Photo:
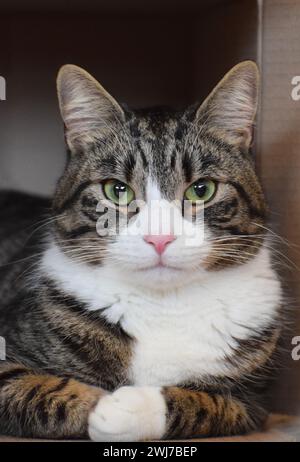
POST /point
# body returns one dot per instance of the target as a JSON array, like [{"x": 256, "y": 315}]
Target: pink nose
[{"x": 160, "y": 242}]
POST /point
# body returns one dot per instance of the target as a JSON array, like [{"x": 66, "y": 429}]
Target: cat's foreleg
[
  {"x": 44, "y": 406},
  {"x": 196, "y": 413}
]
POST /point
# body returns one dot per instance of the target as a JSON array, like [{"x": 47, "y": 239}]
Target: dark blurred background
[{"x": 143, "y": 52}]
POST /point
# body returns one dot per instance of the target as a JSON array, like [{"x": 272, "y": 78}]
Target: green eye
[
  {"x": 118, "y": 192},
  {"x": 201, "y": 190}
]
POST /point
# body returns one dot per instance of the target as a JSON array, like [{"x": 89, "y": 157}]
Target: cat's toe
[{"x": 129, "y": 414}]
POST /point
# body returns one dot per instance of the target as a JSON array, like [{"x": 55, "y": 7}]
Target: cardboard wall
[{"x": 278, "y": 161}]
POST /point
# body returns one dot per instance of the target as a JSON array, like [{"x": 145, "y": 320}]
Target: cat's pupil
[
  {"x": 200, "y": 189},
  {"x": 120, "y": 189}
]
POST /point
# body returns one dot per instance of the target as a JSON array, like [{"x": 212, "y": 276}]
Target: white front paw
[{"x": 129, "y": 414}]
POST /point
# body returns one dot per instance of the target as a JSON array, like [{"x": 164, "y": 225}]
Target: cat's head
[{"x": 143, "y": 166}]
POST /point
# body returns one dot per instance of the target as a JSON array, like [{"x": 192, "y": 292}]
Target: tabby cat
[{"x": 126, "y": 336}]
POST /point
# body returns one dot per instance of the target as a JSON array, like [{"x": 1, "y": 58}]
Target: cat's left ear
[
  {"x": 231, "y": 107},
  {"x": 87, "y": 109}
]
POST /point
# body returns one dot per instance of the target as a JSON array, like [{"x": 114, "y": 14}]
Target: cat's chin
[{"x": 163, "y": 277}]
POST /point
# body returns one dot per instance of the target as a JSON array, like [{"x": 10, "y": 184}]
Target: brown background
[
  {"x": 147, "y": 53},
  {"x": 278, "y": 160}
]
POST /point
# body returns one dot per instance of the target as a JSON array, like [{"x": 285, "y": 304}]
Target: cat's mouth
[{"x": 160, "y": 266}]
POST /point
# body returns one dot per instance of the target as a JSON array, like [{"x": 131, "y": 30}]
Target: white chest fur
[{"x": 184, "y": 334}]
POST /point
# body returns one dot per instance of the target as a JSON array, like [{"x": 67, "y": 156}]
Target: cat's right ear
[
  {"x": 88, "y": 111},
  {"x": 231, "y": 107}
]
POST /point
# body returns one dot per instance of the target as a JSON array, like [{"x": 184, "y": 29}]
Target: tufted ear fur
[
  {"x": 231, "y": 107},
  {"x": 86, "y": 108}
]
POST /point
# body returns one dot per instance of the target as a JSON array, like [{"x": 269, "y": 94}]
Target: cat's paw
[{"x": 129, "y": 414}]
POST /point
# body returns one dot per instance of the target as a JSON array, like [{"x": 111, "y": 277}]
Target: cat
[{"x": 119, "y": 336}]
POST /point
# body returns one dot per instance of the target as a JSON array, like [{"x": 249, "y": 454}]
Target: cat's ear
[
  {"x": 87, "y": 109},
  {"x": 231, "y": 107}
]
